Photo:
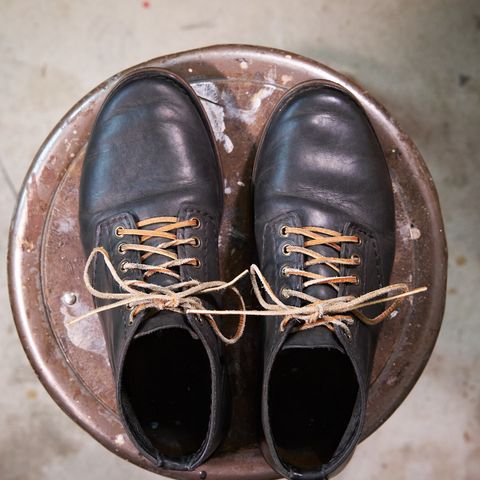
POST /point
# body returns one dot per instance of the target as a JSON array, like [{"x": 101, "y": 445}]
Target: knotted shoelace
[
  {"x": 180, "y": 297},
  {"x": 340, "y": 311}
]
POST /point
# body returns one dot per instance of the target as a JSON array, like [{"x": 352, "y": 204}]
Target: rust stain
[{"x": 31, "y": 394}]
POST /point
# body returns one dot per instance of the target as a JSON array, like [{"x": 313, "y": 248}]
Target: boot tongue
[
  {"x": 161, "y": 321},
  {"x": 318, "y": 337}
]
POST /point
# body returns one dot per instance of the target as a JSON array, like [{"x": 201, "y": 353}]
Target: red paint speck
[{"x": 146, "y": 4}]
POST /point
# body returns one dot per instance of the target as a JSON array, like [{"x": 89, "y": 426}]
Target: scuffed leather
[
  {"x": 319, "y": 163},
  {"x": 151, "y": 153}
]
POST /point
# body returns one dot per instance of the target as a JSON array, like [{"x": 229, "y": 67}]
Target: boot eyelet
[
  {"x": 357, "y": 280},
  {"x": 283, "y": 231},
  {"x": 197, "y": 263},
  {"x": 129, "y": 306},
  {"x": 283, "y": 293},
  {"x": 130, "y": 322},
  {"x": 284, "y": 271},
  {"x": 118, "y": 231},
  {"x": 359, "y": 241},
  {"x": 285, "y": 250},
  {"x": 196, "y": 242},
  {"x": 357, "y": 258},
  {"x": 197, "y": 223},
  {"x": 122, "y": 266},
  {"x": 121, "y": 248}
]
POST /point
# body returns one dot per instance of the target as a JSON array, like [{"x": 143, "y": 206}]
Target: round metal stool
[{"x": 239, "y": 86}]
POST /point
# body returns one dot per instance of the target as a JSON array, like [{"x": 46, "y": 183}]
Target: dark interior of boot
[
  {"x": 167, "y": 385},
  {"x": 312, "y": 393}
]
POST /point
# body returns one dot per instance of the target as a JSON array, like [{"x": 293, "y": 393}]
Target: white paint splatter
[
  {"x": 249, "y": 115},
  {"x": 68, "y": 144},
  {"x": 271, "y": 75},
  {"x": 190, "y": 70},
  {"x": 286, "y": 78},
  {"x": 243, "y": 65},
  {"x": 261, "y": 95},
  {"x": 216, "y": 112},
  {"x": 226, "y": 189},
  {"x": 119, "y": 440},
  {"x": 415, "y": 233},
  {"x": 65, "y": 225},
  {"x": 288, "y": 57},
  {"x": 86, "y": 334},
  {"x": 240, "y": 183}
]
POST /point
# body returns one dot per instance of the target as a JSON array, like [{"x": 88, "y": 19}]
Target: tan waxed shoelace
[
  {"x": 181, "y": 297},
  {"x": 338, "y": 311}
]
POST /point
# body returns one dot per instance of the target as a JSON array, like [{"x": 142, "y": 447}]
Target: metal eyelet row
[
  {"x": 358, "y": 260},
  {"x": 287, "y": 253},
  {"x": 196, "y": 241}
]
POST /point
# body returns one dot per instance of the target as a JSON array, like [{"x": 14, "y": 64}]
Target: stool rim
[{"x": 26, "y": 237}]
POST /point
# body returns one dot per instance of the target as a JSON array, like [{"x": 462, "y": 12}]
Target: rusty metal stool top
[{"x": 239, "y": 86}]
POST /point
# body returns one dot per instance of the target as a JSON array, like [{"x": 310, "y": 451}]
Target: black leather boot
[
  {"x": 151, "y": 198},
  {"x": 325, "y": 229}
]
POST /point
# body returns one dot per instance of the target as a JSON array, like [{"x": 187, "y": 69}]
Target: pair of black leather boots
[{"x": 150, "y": 206}]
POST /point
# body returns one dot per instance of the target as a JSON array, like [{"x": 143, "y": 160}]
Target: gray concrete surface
[{"x": 421, "y": 59}]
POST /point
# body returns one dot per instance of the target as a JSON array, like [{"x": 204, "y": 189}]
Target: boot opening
[
  {"x": 312, "y": 394},
  {"x": 167, "y": 391}
]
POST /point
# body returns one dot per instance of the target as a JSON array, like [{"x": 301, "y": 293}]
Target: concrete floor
[{"x": 421, "y": 59}]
